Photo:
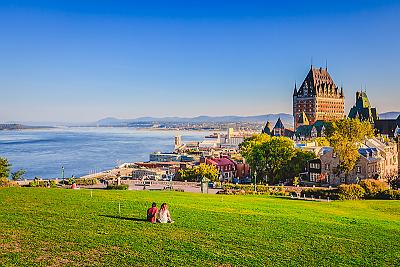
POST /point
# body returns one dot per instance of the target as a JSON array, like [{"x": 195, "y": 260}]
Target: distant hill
[
  {"x": 389, "y": 115},
  {"x": 287, "y": 119}
]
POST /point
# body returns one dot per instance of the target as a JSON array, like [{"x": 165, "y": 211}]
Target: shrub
[
  {"x": 86, "y": 181},
  {"x": 4, "y": 182},
  {"x": 395, "y": 183},
  {"x": 373, "y": 188},
  {"x": 117, "y": 187},
  {"x": 320, "y": 193},
  {"x": 350, "y": 191},
  {"x": 273, "y": 190},
  {"x": 390, "y": 194},
  {"x": 41, "y": 183}
]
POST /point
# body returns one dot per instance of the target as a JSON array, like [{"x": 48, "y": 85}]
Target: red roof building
[{"x": 226, "y": 167}]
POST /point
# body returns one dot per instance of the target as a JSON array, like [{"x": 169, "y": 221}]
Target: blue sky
[{"x": 85, "y": 60}]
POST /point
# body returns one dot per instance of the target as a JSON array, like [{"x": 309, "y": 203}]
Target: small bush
[
  {"x": 4, "y": 182},
  {"x": 86, "y": 181},
  {"x": 350, "y": 192},
  {"x": 320, "y": 193},
  {"x": 373, "y": 188},
  {"x": 264, "y": 189},
  {"x": 390, "y": 194},
  {"x": 117, "y": 187},
  {"x": 41, "y": 183}
]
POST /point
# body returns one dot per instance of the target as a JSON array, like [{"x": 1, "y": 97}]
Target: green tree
[
  {"x": 197, "y": 173},
  {"x": 250, "y": 149},
  {"x": 4, "y": 168},
  {"x": 346, "y": 136},
  {"x": 297, "y": 164},
  {"x": 322, "y": 141},
  {"x": 18, "y": 175},
  {"x": 277, "y": 152}
]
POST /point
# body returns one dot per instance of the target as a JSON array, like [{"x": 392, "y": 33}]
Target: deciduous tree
[
  {"x": 18, "y": 175},
  {"x": 197, "y": 173},
  {"x": 346, "y": 136}
]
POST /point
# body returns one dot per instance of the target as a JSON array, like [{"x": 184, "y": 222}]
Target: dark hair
[
  {"x": 154, "y": 204},
  {"x": 163, "y": 205}
]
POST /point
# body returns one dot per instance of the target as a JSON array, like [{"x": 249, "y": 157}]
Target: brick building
[{"x": 318, "y": 98}]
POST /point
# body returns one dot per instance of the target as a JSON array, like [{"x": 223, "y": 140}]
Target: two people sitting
[{"x": 161, "y": 216}]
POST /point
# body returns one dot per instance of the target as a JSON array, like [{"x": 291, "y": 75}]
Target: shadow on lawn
[{"x": 125, "y": 218}]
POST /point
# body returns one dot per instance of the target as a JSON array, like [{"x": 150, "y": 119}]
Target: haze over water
[{"x": 81, "y": 150}]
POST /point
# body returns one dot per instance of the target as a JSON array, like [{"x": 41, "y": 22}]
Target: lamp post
[{"x": 62, "y": 173}]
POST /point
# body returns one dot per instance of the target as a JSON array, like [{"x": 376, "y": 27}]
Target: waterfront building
[
  {"x": 168, "y": 157},
  {"x": 318, "y": 98},
  {"x": 232, "y": 138},
  {"x": 362, "y": 109},
  {"x": 151, "y": 174}
]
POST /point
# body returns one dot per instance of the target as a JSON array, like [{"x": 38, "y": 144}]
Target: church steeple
[{"x": 295, "y": 90}]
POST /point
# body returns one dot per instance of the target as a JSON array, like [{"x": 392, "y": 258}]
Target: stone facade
[
  {"x": 378, "y": 159},
  {"x": 318, "y": 98}
]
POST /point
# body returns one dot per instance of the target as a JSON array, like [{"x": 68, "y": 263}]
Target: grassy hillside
[{"x": 64, "y": 227}]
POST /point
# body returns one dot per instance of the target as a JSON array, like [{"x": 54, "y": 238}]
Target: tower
[
  {"x": 178, "y": 141},
  {"x": 318, "y": 98},
  {"x": 362, "y": 109}
]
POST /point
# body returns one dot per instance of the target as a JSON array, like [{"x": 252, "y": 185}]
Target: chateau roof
[
  {"x": 303, "y": 118},
  {"x": 318, "y": 82},
  {"x": 267, "y": 129},
  {"x": 362, "y": 109},
  {"x": 279, "y": 124}
]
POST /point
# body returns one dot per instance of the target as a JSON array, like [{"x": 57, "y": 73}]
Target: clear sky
[{"x": 82, "y": 60}]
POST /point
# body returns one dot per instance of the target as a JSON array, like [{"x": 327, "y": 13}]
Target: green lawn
[{"x": 61, "y": 227}]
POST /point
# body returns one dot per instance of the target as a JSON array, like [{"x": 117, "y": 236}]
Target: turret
[{"x": 295, "y": 90}]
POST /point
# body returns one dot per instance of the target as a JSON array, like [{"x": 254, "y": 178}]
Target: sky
[{"x": 83, "y": 60}]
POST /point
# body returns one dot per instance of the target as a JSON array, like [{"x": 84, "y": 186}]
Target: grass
[{"x": 58, "y": 227}]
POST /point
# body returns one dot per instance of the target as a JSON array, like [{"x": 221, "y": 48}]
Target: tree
[
  {"x": 4, "y": 168},
  {"x": 346, "y": 136},
  {"x": 18, "y": 175},
  {"x": 322, "y": 141},
  {"x": 197, "y": 173},
  {"x": 297, "y": 164},
  {"x": 250, "y": 149},
  {"x": 277, "y": 152}
]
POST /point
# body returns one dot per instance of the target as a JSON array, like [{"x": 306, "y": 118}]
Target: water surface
[{"x": 82, "y": 150}]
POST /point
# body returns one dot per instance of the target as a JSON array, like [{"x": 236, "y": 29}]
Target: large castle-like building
[{"x": 317, "y": 99}]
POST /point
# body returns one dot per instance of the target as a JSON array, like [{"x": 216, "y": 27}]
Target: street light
[{"x": 62, "y": 173}]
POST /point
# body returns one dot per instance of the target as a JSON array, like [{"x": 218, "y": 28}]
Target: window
[{"x": 358, "y": 169}]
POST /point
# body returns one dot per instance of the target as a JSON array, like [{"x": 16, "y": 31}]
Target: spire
[
  {"x": 326, "y": 64},
  {"x": 295, "y": 89}
]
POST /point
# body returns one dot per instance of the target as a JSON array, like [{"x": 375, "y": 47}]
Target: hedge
[
  {"x": 117, "y": 187},
  {"x": 41, "y": 183}
]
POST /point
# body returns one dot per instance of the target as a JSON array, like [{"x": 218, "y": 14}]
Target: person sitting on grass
[
  {"x": 152, "y": 212},
  {"x": 163, "y": 214}
]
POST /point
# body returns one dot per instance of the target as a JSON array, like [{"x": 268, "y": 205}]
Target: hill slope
[{"x": 60, "y": 227}]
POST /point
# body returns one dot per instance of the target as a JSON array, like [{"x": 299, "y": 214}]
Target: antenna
[
  {"x": 311, "y": 61},
  {"x": 326, "y": 64}
]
